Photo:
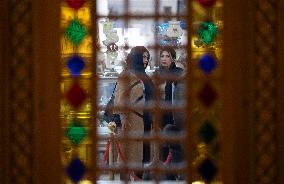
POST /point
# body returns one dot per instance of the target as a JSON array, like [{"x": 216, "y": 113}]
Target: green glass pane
[
  {"x": 76, "y": 32},
  {"x": 207, "y": 132},
  {"x": 76, "y": 133},
  {"x": 207, "y": 32}
]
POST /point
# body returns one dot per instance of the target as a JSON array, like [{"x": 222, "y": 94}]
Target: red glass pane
[{"x": 76, "y": 4}]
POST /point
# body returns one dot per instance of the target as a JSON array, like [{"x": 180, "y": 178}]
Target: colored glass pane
[
  {"x": 207, "y": 95},
  {"x": 207, "y": 3},
  {"x": 207, "y": 169},
  {"x": 207, "y": 32},
  {"x": 76, "y": 133},
  {"x": 75, "y": 4},
  {"x": 76, "y": 32},
  {"x": 75, "y": 170},
  {"x": 207, "y": 132},
  {"x": 75, "y": 95},
  {"x": 75, "y": 65},
  {"x": 207, "y": 63}
]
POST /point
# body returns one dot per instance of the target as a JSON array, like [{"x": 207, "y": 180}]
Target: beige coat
[{"x": 130, "y": 92}]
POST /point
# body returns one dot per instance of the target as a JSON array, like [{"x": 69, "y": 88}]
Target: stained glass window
[{"x": 95, "y": 53}]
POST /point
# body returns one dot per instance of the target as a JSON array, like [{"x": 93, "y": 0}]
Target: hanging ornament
[
  {"x": 111, "y": 56},
  {"x": 207, "y": 3},
  {"x": 76, "y": 4}
]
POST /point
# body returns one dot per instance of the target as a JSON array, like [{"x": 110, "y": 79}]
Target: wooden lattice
[
  {"x": 265, "y": 91},
  {"x": 20, "y": 126}
]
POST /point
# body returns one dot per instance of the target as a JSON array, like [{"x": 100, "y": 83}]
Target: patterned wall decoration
[
  {"x": 20, "y": 128},
  {"x": 207, "y": 74},
  {"x": 265, "y": 91},
  {"x": 75, "y": 87}
]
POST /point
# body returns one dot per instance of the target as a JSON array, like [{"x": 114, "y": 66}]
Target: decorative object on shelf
[
  {"x": 207, "y": 32},
  {"x": 76, "y": 4},
  {"x": 110, "y": 41},
  {"x": 182, "y": 24},
  {"x": 112, "y": 47},
  {"x": 111, "y": 38},
  {"x": 169, "y": 33},
  {"x": 112, "y": 127},
  {"x": 107, "y": 26},
  {"x": 111, "y": 56},
  {"x": 207, "y": 3},
  {"x": 174, "y": 30}
]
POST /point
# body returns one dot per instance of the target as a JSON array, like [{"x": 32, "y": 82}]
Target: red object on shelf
[
  {"x": 207, "y": 3},
  {"x": 76, "y": 4}
]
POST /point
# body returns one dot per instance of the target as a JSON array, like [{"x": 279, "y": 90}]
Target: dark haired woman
[
  {"x": 134, "y": 90},
  {"x": 172, "y": 93},
  {"x": 169, "y": 75}
]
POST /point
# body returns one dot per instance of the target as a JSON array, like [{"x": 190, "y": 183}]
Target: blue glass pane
[
  {"x": 75, "y": 65},
  {"x": 75, "y": 170},
  {"x": 207, "y": 63}
]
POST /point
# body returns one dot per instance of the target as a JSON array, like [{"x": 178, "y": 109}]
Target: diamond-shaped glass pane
[
  {"x": 207, "y": 132},
  {"x": 76, "y": 32},
  {"x": 75, "y": 170},
  {"x": 207, "y": 170},
  {"x": 75, "y": 65},
  {"x": 76, "y": 132},
  {"x": 75, "y": 4},
  {"x": 207, "y": 63},
  {"x": 75, "y": 95},
  {"x": 207, "y": 3},
  {"x": 207, "y": 95},
  {"x": 207, "y": 32}
]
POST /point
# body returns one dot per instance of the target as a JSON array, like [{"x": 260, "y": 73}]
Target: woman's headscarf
[
  {"x": 134, "y": 60},
  {"x": 134, "y": 63}
]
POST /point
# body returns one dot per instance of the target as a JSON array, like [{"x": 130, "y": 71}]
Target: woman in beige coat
[{"x": 133, "y": 91}]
